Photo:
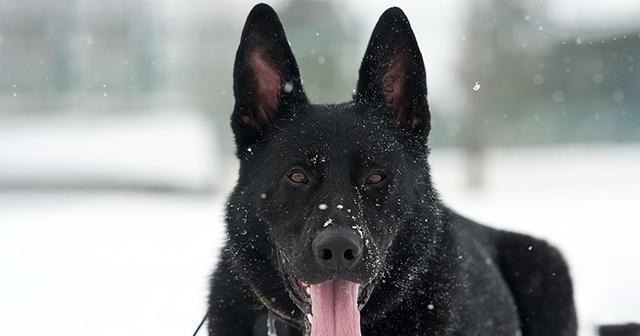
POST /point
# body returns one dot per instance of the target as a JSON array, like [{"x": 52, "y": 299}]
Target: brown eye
[
  {"x": 298, "y": 177},
  {"x": 375, "y": 178}
]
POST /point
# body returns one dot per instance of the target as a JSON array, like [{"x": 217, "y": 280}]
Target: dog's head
[{"x": 325, "y": 188}]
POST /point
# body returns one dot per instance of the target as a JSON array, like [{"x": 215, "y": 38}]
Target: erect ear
[
  {"x": 266, "y": 76},
  {"x": 392, "y": 74}
]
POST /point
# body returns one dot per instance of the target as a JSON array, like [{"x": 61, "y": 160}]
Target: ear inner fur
[
  {"x": 267, "y": 90},
  {"x": 394, "y": 90}
]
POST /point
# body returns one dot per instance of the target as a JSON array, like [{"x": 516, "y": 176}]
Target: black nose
[{"x": 337, "y": 249}]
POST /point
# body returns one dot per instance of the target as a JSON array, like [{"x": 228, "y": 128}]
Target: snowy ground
[
  {"x": 105, "y": 264},
  {"x": 136, "y": 263}
]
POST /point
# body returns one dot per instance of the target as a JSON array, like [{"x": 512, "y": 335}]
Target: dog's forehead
[{"x": 338, "y": 130}]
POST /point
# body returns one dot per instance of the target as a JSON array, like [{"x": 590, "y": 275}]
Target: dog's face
[{"x": 330, "y": 185}]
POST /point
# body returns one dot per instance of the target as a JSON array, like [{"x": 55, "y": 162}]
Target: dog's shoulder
[
  {"x": 540, "y": 281},
  {"x": 536, "y": 273}
]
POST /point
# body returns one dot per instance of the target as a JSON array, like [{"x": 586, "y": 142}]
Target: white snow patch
[{"x": 359, "y": 230}]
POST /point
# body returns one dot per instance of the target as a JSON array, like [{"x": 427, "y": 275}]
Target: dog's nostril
[
  {"x": 326, "y": 254},
  {"x": 348, "y": 254}
]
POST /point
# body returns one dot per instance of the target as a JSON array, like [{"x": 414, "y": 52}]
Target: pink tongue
[{"x": 334, "y": 305}]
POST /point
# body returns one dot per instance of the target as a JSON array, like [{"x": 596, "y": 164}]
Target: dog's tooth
[
  {"x": 310, "y": 317},
  {"x": 308, "y": 289}
]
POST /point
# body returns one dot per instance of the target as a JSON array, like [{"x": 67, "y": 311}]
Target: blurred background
[{"x": 116, "y": 153}]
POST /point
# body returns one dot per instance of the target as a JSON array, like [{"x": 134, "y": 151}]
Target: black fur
[
  {"x": 432, "y": 271},
  {"x": 629, "y": 329}
]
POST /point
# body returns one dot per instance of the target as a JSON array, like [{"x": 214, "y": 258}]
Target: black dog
[{"x": 334, "y": 227}]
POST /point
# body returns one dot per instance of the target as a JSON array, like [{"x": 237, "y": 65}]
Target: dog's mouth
[
  {"x": 300, "y": 292},
  {"x": 333, "y": 306}
]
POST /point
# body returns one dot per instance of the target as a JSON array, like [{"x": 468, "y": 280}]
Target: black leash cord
[{"x": 200, "y": 325}]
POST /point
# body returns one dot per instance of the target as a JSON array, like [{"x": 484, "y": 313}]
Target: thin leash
[
  {"x": 271, "y": 324},
  {"x": 200, "y": 325}
]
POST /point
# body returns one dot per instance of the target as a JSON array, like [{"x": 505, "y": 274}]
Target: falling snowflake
[{"x": 288, "y": 87}]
